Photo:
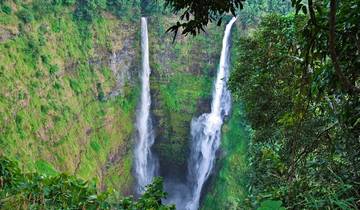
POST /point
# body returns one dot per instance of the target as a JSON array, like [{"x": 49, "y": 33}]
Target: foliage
[
  {"x": 66, "y": 2},
  {"x": 305, "y": 149},
  {"x": 50, "y": 101},
  {"x": 330, "y": 32},
  {"x": 181, "y": 82},
  {"x": 151, "y": 8},
  {"x": 6, "y": 9},
  {"x": 254, "y": 10},
  {"x": 198, "y": 14},
  {"x": 25, "y": 15},
  {"x": 271, "y": 205},
  {"x": 88, "y": 10},
  {"x": 39, "y": 191}
]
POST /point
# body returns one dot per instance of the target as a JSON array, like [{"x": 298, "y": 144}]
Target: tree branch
[{"x": 312, "y": 12}]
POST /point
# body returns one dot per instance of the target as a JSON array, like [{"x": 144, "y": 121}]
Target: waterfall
[
  {"x": 145, "y": 162},
  {"x": 206, "y": 129}
]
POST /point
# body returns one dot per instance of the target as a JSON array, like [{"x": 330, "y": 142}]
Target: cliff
[{"x": 69, "y": 88}]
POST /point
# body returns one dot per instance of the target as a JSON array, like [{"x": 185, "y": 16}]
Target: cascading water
[
  {"x": 146, "y": 163},
  {"x": 206, "y": 130}
]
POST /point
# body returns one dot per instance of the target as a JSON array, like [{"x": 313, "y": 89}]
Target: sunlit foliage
[{"x": 38, "y": 191}]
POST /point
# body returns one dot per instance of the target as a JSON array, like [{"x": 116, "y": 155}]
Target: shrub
[
  {"x": 41, "y": 8},
  {"x": 64, "y": 2},
  {"x": 43, "y": 29},
  {"x": 18, "y": 119},
  {"x": 57, "y": 86},
  {"x": 6, "y": 9},
  {"x": 39, "y": 74},
  {"x": 61, "y": 191},
  {"x": 21, "y": 28},
  {"x": 53, "y": 69},
  {"x": 88, "y": 10},
  {"x": 45, "y": 59},
  {"x": 33, "y": 49},
  {"x": 44, "y": 109},
  {"x": 101, "y": 94},
  {"x": 95, "y": 146},
  {"x": 2, "y": 69},
  {"x": 42, "y": 40},
  {"x": 75, "y": 86},
  {"x": 68, "y": 2},
  {"x": 25, "y": 15}
]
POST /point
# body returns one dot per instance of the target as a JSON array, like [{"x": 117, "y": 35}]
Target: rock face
[
  {"x": 120, "y": 64},
  {"x": 123, "y": 61},
  {"x": 68, "y": 96},
  {"x": 123, "y": 64},
  {"x": 7, "y": 33},
  {"x": 181, "y": 87}
]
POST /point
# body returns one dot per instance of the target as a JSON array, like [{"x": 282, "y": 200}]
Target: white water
[
  {"x": 145, "y": 163},
  {"x": 206, "y": 130}
]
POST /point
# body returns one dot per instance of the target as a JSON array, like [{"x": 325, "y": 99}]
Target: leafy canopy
[
  {"x": 38, "y": 191},
  {"x": 197, "y": 14}
]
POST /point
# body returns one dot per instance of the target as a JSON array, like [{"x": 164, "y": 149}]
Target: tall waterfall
[
  {"x": 206, "y": 130},
  {"x": 145, "y": 162}
]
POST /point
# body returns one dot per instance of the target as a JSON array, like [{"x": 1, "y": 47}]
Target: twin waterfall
[
  {"x": 205, "y": 130},
  {"x": 145, "y": 163}
]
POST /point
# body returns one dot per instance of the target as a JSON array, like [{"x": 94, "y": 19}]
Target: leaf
[
  {"x": 357, "y": 122},
  {"x": 304, "y": 9},
  {"x": 271, "y": 205}
]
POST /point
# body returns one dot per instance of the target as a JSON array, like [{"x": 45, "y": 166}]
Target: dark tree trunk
[{"x": 332, "y": 48}]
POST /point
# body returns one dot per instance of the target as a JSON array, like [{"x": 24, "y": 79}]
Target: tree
[
  {"x": 303, "y": 150},
  {"x": 198, "y": 14}
]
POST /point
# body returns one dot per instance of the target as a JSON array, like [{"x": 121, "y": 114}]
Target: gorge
[
  {"x": 87, "y": 99},
  {"x": 149, "y": 105},
  {"x": 205, "y": 132}
]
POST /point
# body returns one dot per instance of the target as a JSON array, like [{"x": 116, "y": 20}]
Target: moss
[
  {"x": 94, "y": 144},
  {"x": 119, "y": 175},
  {"x": 181, "y": 82},
  {"x": 183, "y": 92},
  {"x": 44, "y": 167},
  {"x": 49, "y": 109}
]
